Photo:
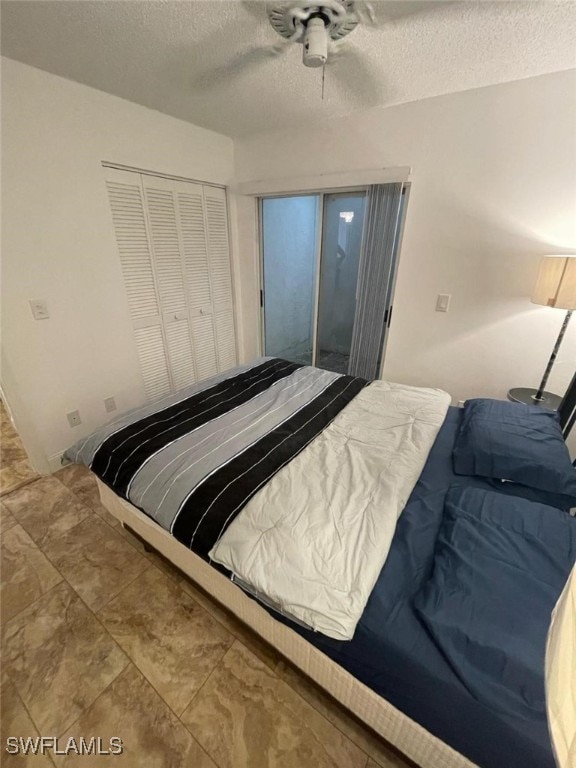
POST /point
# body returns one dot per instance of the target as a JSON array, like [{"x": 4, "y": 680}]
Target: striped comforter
[{"x": 194, "y": 461}]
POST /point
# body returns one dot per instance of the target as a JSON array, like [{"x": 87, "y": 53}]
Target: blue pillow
[{"x": 518, "y": 443}]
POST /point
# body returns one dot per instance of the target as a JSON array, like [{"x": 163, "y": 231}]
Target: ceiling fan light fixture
[
  {"x": 315, "y": 42},
  {"x": 313, "y": 25}
]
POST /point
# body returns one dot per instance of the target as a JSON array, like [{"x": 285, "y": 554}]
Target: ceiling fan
[
  {"x": 317, "y": 26},
  {"x": 321, "y": 28}
]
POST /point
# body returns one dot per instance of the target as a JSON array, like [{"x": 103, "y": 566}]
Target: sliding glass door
[
  {"x": 289, "y": 228},
  {"x": 328, "y": 267}
]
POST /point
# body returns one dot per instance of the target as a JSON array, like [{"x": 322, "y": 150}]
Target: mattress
[{"x": 393, "y": 654}]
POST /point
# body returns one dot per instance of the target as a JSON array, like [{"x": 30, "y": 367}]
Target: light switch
[
  {"x": 443, "y": 302},
  {"x": 39, "y": 309},
  {"x": 110, "y": 404}
]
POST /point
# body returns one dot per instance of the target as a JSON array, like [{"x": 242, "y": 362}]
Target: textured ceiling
[{"x": 209, "y": 61}]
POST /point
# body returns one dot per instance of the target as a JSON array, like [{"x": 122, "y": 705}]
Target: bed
[{"x": 397, "y": 662}]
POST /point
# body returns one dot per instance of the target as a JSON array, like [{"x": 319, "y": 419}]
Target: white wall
[
  {"x": 494, "y": 188},
  {"x": 58, "y": 245}
]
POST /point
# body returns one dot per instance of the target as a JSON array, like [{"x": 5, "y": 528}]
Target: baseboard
[{"x": 57, "y": 461}]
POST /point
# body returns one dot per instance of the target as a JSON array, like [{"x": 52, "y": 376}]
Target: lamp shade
[{"x": 556, "y": 282}]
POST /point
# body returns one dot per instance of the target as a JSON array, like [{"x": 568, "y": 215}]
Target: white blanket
[{"x": 313, "y": 541}]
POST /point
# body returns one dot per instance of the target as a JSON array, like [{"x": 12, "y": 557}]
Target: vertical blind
[
  {"x": 174, "y": 253},
  {"x": 375, "y": 278}
]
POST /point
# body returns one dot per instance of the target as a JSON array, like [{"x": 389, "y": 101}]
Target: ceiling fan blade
[
  {"x": 379, "y": 13},
  {"x": 239, "y": 65},
  {"x": 365, "y": 12},
  {"x": 256, "y": 9},
  {"x": 348, "y": 65}
]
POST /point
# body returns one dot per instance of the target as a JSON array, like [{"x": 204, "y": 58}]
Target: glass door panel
[
  {"x": 289, "y": 243},
  {"x": 341, "y": 242}
]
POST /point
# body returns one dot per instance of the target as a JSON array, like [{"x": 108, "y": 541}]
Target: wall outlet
[
  {"x": 39, "y": 309},
  {"x": 443, "y": 302},
  {"x": 110, "y": 404},
  {"x": 461, "y": 403},
  {"x": 74, "y": 418}
]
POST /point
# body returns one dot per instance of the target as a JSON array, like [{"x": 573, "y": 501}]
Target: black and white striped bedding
[{"x": 193, "y": 464}]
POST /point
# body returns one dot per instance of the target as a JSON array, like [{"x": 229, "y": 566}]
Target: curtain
[{"x": 375, "y": 278}]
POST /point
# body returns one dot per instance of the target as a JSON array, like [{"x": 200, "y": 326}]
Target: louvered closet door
[
  {"x": 173, "y": 243},
  {"x": 165, "y": 237},
  {"x": 197, "y": 282},
  {"x": 221, "y": 277},
  {"x": 130, "y": 226}
]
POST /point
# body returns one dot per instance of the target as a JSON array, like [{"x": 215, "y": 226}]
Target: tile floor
[
  {"x": 100, "y": 638},
  {"x": 15, "y": 469}
]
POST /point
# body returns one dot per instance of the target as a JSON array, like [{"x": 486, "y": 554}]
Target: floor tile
[
  {"x": 152, "y": 736},
  {"x": 6, "y": 518},
  {"x": 260, "y": 648},
  {"x": 26, "y": 573},
  {"x": 170, "y": 638},
  {"x": 165, "y": 566},
  {"x": 107, "y": 516},
  {"x": 46, "y": 508},
  {"x": 5, "y": 422},
  {"x": 133, "y": 540},
  {"x": 11, "y": 450},
  {"x": 8, "y": 429},
  {"x": 96, "y": 561},
  {"x": 15, "y": 469},
  {"x": 16, "y": 722},
  {"x": 14, "y": 475},
  {"x": 77, "y": 477},
  {"x": 152, "y": 555},
  {"x": 246, "y": 717},
  {"x": 59, "y": 658},
  {"x": 362, "y": 736},
  {"x": 81, "y": 481}
]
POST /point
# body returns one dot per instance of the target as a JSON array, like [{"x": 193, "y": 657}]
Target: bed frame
[{"x": 392, "y": 725}]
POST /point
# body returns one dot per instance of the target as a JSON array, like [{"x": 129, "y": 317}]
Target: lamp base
[{"x": 528, "y": 397}]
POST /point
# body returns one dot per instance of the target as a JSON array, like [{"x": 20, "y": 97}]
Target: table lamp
[{"x": 555, "y": 287}]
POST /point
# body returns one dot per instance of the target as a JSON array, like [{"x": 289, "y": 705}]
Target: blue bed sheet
[
  {"x": 394, "y": 655},
  {"x": 499, "y": 568}
]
